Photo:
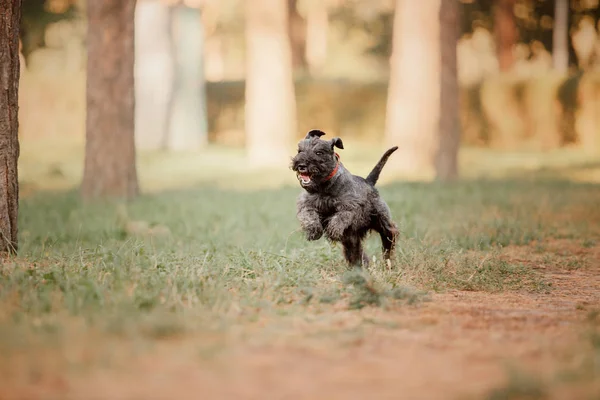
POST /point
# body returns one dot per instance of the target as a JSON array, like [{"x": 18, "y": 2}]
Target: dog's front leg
[
  {"x": 310, "y": 223},
  {"x": 338, "y": 224}
]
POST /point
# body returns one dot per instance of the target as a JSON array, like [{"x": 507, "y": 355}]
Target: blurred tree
[
  {"x": 170, "y": 84},
  {"x": 317, "y": 27},
  {"x": 188, "y": 119},
  {"x": 110, "y": 168},
  {"x": 534, "y": 20},
  {"x": 585, "y": 38},
  {"x": 476, "y": 13},
  {"x": 297, "y": 32},
  {"x": 447, "y": 156},
  {"x": 560, "y": 36},
  {"x": 506, "y": 33},
  {"x": 9, "y": 123},
  {"x": 214, "y": 59},
  {"x": 413, "y": 105},
  {"x": 37, "y": 15},
  {"x": 154, "y": 73},
  {"x": 270, "y": 116}
]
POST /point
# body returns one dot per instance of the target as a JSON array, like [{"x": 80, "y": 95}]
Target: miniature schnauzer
[{"x": 342, "y": 206}]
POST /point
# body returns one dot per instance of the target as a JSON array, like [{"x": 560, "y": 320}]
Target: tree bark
[
  {"x": 297, "y": 32},
  {"x": 154, "y": 65},
  {"x": 9, "y": 123},
  {"x": 188, "y": 126},
  {"x": 413, "y": 105},
  {"x": 110, "y": 169},
  {"x": 560, "y": 36},
  {"x": 270, "y": 102},
  {"x": 449, "y": 140},
  {"x": 505, "y": 30}
]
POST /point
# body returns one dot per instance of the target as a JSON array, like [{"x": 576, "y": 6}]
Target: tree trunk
[
  {"x": 505, "y": 30},
  {"x": 9, "y": 123},
  {"x": 110, "y": 168},
  {"x": 297, "y": 32},
  {"x": 317, "y": 25},
  {"x": 188, "y": 120},
  {"x": 449, "y": 141},
  {"x": 412, "y": 115},
  {"x": 154, "y": 66},
  {"x": 270, "y": 102},
  {"x": 560, "y": 36}
]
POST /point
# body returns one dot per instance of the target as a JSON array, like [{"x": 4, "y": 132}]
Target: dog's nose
[{"x": 302, "y": 168}]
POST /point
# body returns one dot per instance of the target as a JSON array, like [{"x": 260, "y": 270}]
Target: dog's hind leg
[
  {"x": 387, "y": 229},
  {"x": 354, "y": 253},
  {"x": 388, "y": 236}
]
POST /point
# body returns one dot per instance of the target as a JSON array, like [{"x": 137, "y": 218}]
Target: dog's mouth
[{"x": 304, "y": 178}]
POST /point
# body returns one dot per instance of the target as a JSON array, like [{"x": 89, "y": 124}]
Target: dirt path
[{"x": 459, "y": 345}]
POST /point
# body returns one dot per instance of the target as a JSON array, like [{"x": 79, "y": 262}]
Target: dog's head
[{"x": 316, "y": 159}]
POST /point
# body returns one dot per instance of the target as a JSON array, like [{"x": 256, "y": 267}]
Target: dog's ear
[
  {"x": 337, "y": 142},
  {"x": 314, "y": 133}
]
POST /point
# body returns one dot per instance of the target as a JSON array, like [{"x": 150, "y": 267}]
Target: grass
[
  {"x": 208, "y": 261},
  {"x": 219, "y": 250}
]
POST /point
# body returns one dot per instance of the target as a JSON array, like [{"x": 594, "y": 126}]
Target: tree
[
  {"x": 188, "y": 126},
  {"x": 560, "y": 36},
  {"x": 154, "y": 73},
  {"x": 297, "y": 32},
  {"x": 110, "y": 168},
  {"x": 9, "y": 123},
  {"x": 169, "y": 82},
  {"x": 505, "y": 30},
  {"x": 412, "y": 115},
  {"x": 317, "y": 26},
  {"x": 422, "y": 115},
  {"x": 270, "y": 103},
  {"x": 449, "y": 140}
]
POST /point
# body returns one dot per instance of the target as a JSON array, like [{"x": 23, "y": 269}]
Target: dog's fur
[{"x": 342, "y": 206}]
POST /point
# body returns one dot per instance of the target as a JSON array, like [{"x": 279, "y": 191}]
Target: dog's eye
[{"x": 319, "y": 153}]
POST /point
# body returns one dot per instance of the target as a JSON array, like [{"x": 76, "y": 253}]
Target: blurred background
[{"x": 528, "y": 87}]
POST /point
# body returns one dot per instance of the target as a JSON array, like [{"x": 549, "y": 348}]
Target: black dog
[{"x": 343, "y": 206}]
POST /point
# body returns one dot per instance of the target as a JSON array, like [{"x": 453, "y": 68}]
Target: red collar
[{"x": 337, "y": 165}]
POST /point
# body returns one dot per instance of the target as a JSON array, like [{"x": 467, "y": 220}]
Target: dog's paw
[
  {"x": 314, "y": 232},
  {"x": 335, "y": 230}
]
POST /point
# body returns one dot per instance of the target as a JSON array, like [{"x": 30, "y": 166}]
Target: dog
[{"x": 335, "y": 203}]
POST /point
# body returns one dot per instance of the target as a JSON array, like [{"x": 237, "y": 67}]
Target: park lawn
[{"x": 207, "y": 272}]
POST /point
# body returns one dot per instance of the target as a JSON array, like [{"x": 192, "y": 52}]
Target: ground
[{"x": 212, "y": 292}]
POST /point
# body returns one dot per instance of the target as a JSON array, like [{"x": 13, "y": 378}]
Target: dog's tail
[{"x": 374, "y": 175}]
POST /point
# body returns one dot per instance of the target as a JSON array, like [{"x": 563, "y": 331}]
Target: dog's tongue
[{"x": 305, "y": 177}]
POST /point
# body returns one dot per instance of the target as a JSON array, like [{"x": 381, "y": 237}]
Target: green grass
[{"x": 222, "y": 254}]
